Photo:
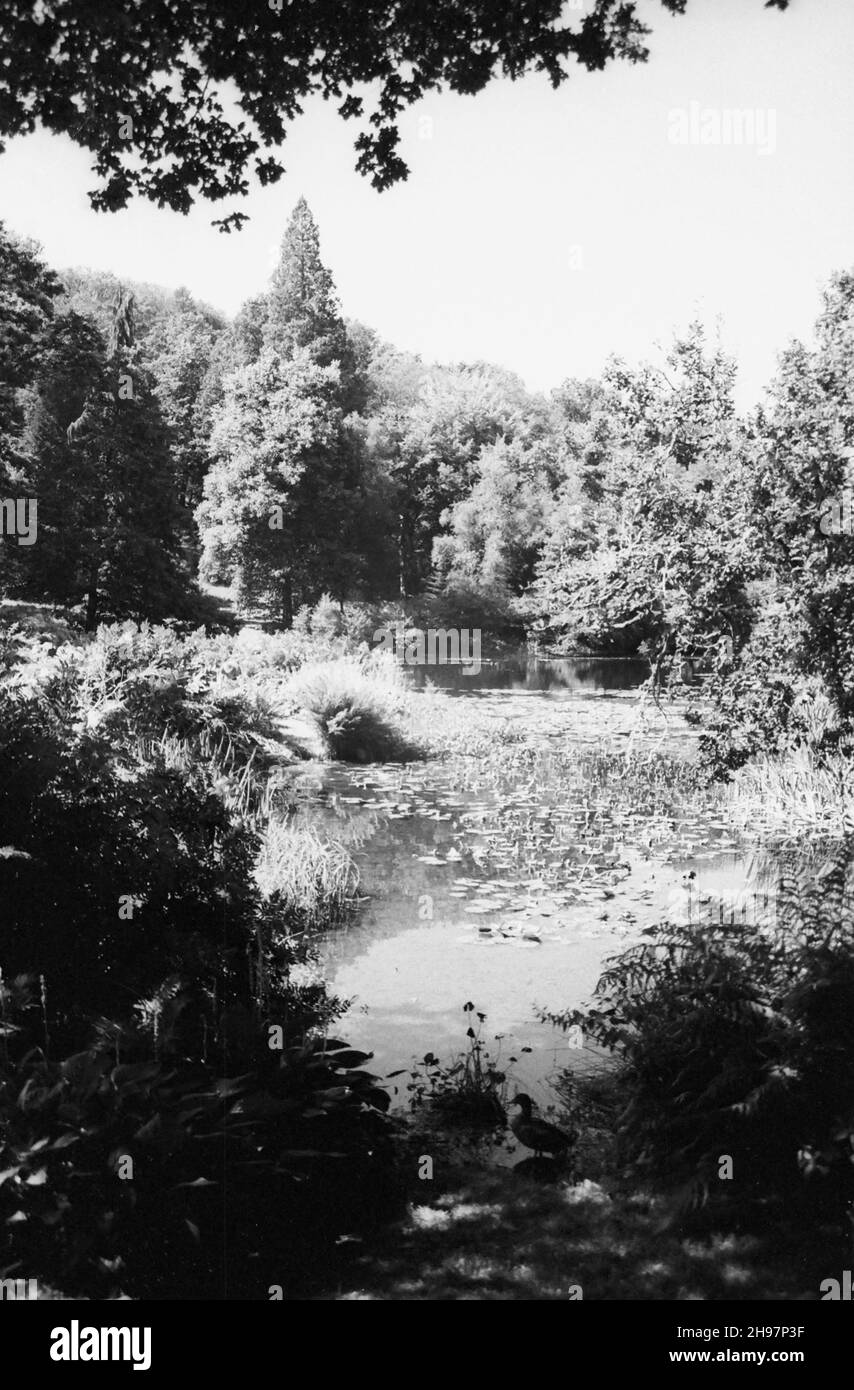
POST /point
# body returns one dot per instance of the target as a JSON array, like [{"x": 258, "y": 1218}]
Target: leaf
[
  {"x": 137, "y": 1071},
  {"x": 379, "y": 1099},
  {"x": 351, "y": 1058},
  {"x": 64, "y": 1140}
]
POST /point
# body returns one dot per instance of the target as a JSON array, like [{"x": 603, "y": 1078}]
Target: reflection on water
[
  {"x": 510, "y": 889},
  {"x": 522, "y": 671}
]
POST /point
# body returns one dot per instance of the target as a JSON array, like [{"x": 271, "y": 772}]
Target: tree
[
  {"x": 177, "y": 339},
  {"x": 237, "y": 346},
  {"x": 803, "y": 497},
  {"x": 661, "y": 549},
  {"x": 95, "y": 456},
  {"x": 426, "y": 430},
  {"x": 284, "y": 499},
  {"x": 59, "y": 467},
  {"x": 792, "y": 684},
  {"x": 93, "y": 294},
  {"x": 141, "y": 83},
  {"x": 302, "y": 307},
  {"x": 178, "y": 352},
  {"x": 494, "y": 535},
  {"x": 27, "y": 293},
  {"x": 281, "y": 496}
]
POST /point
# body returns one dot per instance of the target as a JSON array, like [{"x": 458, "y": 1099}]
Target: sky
[{"x": 542, "y": 230}]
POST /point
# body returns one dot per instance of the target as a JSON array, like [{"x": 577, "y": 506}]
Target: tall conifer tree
[
  {"x": 284, "y": 494},
  {"x": 302, "y": 306}
]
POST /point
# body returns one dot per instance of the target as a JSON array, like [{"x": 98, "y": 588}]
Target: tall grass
[
  {"x": 803, "y": 792},
  {"x": 362, "y": 706},
  {"x": 313, "y": 881}
]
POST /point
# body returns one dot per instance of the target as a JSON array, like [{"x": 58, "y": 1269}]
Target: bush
[
  {"x": 137, "y": 864},
  {"x": 361, "y": 707},
  {"x": 298, "y": 1141},
  {"x": 739, "y": 1040}
]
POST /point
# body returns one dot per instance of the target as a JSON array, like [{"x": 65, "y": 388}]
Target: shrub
[
  {"x": 137, "y": 864},
  {"x": 739, "y": 1040},
  {"x": 360, "y": 705},
  {"x": 297, "y": 1139}
]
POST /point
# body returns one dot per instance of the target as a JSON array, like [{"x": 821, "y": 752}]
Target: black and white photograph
[{"x": 426, "y": 669}]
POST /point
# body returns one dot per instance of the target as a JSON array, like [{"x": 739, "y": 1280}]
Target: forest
[{"x": 293, "y": 455}]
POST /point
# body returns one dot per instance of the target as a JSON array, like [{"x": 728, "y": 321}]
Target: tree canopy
[{"x": 147, "y": 85}]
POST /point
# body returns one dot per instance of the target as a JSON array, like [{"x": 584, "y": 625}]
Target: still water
[{"x": 508, "y": 887}]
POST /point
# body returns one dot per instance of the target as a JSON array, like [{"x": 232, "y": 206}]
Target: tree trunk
[
  {"x": 404, "y": 556},
  {"x": 92, "y": 601},
  {"x": 287, "y": 602}
]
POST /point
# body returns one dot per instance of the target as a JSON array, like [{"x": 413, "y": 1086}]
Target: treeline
[{"x": 293, "y": 454}]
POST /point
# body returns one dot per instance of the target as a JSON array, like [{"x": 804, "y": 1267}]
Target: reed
[
  {"x": 313, "y": 880},
  {"x": 804, "y": 792}
]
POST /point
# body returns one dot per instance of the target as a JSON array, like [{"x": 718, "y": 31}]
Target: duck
[{"x": 537, "y": 1134}]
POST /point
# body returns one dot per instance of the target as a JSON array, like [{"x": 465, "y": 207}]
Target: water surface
[{"x": 507, "y": 887}]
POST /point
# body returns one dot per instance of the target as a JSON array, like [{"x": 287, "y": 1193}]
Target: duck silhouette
[{"x": 537, "y": 1134}]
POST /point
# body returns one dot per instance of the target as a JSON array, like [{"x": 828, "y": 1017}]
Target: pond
[{"x": 507, "y": 879}]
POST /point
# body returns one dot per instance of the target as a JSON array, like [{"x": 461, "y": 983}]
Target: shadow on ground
[{"x": 498, "y": 1235}]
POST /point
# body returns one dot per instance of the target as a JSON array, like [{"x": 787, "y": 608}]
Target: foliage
[
  {"x": 360, "y": 705},
  {"x": 174, "y": 69},
  {"x": 310, "y": 881},
  {"x": 295, "y": 1135},
  {"x": 739, "y": 1040},
  {"x": 127, "y": 828},
  {"x": 94, "y": 454},
  {"x": 805, "y": 793},
  {"x": 494, "y": 534},
  {"x": 796, "y": 474},
  {"x": 661, "y": 552},
  {"x": 283, "y": 497},
  {"x": 156, "y": 747},
  {"x": 471, "y": 1090},
  {"x": 276, "y": 499},
  {"x": 178, "y": 352},
  {"x": 27, "y": 292},
  {"x": 137, "y": 862},
  {"x": 302, "y": 306}
]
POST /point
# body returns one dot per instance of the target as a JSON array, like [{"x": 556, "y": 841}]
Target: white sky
[{"x": 541, "y": 230}]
